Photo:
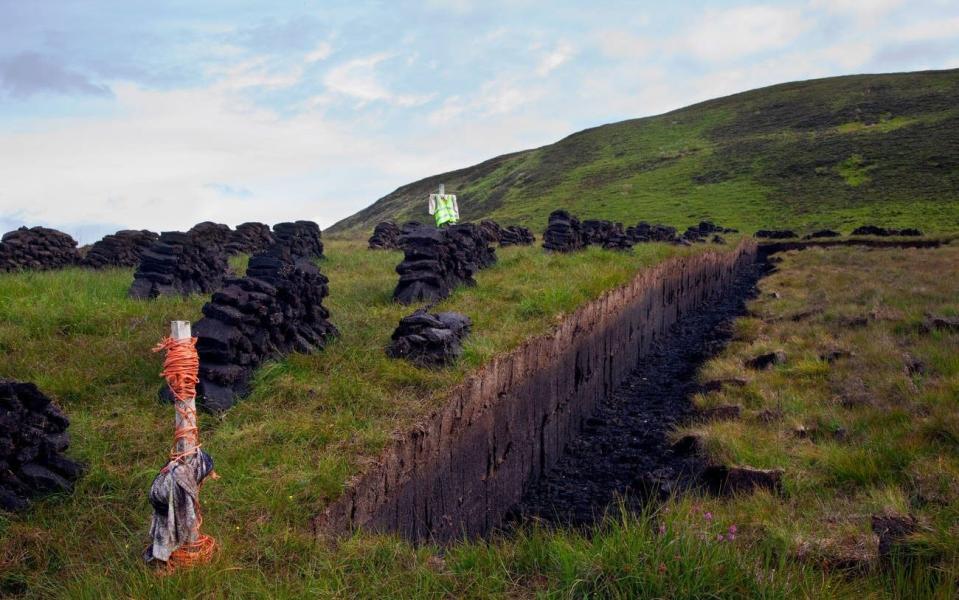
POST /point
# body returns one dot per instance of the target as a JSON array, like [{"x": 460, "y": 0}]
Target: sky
[{"x": 132, "y": 114}]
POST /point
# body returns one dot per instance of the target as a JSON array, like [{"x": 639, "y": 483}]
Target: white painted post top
[{"x": 180, "y": 330}]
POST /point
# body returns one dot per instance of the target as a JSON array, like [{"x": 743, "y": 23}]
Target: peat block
[
  {"x": 491, "y": 230},
  {"x": 644, "y": 232},
  {"x": 834, "y": 355},
  {"x": 209, "y": 233},
  {"x": 822, "y": 233},
  {"x": 249, "y": 238},
  {"x": 714, "y": 385},
  {"x": 179, "y": 264},
  {"x": 33, "y": 437},
  {"x": 724, "y": 412},
  {"x": 37, "y": 249},
  {"x": 411, "y": 226},
  {"x": 564, "y": 233},
  {"x": 884, "y": 232},
  {"x": 386, "y": 236},
  {"x": 775, "y": 234},
  {"x": 120, "y": 249},
  {"x": 437, "y": 260},
  {"x": 303, "y": 238},
  {"x": 430, "y": 340},
  {"x": 933, "y": 322},
  {"x": 764, "y": 361},
  {"x": 515, "y": 235},
  {"x": 720, "y": 479},
  {"x": 276, "y": 309},
  {"x": 598, "y": 232},
  {"x": 618, "y": 240},
  {"x": 700, "y": 233},
  {"x": 892, "y": 530}
]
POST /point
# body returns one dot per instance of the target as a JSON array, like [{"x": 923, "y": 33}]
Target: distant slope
[{"x": 824, "y": 153}]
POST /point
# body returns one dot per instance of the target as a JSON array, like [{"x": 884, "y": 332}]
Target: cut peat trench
[
  {"x": 464, "y": 467},
  {"x": 623, "y": 453},
  {"x": 563, "y": 424}
]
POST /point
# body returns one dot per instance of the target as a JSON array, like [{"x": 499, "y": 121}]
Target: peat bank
[{"x": 568, "y": 421}]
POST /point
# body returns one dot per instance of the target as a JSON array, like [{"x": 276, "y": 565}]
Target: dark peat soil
[{"x": 623, "y": 451}]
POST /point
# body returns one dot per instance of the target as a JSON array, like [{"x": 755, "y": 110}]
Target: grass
[
  {"x": 830, "y": 153},
  {"x": 312, "y": 421},
  {"x": 854, "y": 171},
  {"x": 882, "y": 435},
  {"x": 870, "y": 433}
]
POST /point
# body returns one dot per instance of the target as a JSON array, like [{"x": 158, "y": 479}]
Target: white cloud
[
  {"x": 152, "y": 164},
  {"x": 358, "y": 79},
  {"x": 169, "y": 159},
  {"x": 451, "y": 108},
  {"x": 617, "y": 43},
  {"x": 722, "y": 35},
  {"x": 555, "y": 58},
  {"x": 866, "y": 10},
  {"x": 454, "y": 6},
  {"x": 932, "y": 29},
  {"x": 322, "y": 51},
  {"x": 501, "y": 98},
  {"x": 846, "y": 55},
  {"x": 255, "y": 72},
  {"x": 495, "y": 99}
]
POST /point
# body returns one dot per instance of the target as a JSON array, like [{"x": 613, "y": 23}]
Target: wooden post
[{"x": 185, "y": 415}]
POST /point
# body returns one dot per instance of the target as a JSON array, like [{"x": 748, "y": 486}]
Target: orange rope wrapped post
[{"x": 175, "y": 494}]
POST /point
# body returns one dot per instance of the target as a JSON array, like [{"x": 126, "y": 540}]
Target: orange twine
[{"x": 181, "y": 369}]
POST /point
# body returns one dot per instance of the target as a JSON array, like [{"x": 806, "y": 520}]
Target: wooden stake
[{"x": 186, "y": 416}]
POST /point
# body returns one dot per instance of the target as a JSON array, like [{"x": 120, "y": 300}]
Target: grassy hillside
[{"x": 834, "y": 152}]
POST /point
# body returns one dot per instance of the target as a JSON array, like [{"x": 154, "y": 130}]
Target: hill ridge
[{"x": 834, "y": 152}]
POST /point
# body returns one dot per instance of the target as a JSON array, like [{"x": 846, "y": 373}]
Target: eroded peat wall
[{"x": 459, "y": 472}]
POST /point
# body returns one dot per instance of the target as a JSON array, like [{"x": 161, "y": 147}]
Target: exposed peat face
[{"x": 624, "y": 450}]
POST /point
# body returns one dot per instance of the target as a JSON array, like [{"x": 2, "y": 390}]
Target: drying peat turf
[{"x": 624, "y": 451}]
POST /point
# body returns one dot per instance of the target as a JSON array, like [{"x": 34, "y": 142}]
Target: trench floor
[{"x": 623, "y": 451}]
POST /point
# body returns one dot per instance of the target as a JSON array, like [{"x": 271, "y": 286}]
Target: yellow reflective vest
[{"x": 444, "y": 209}]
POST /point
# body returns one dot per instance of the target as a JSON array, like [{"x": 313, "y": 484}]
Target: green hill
[{"x": 834, "y": 152}]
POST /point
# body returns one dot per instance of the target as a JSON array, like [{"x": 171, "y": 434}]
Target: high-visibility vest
[{"x": 445, "y": 211}]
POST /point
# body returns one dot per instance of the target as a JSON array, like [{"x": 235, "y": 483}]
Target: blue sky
[{"x": 126, "y": 113}]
